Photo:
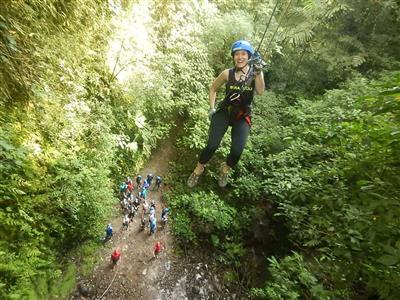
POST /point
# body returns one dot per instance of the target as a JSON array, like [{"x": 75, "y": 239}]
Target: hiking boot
[{"x": 193, "y": 180}]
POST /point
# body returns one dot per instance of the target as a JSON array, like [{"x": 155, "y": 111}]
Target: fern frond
[{"x": 357, "y": 60}]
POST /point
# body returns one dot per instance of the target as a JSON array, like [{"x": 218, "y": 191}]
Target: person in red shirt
[
  {"x": 158, "y": 247},
  {"x": 115, "y": 256},
  {"x": 130, "y": 186}
]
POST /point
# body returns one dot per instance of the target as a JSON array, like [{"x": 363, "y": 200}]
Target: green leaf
[
  {"x": 215, "y": 240},
  {"x": 398, "y": 245},
  {"x": 388, "y": 260},
  {"x": 6, "y": 146},
  {"x": 3, "y": 25}
]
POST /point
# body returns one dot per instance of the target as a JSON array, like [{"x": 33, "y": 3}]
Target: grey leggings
[{"x": 219, "y": 125}]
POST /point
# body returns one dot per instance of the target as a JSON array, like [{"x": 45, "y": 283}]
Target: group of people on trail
[
  {"x": 130, "y": 204},
  {"x": 241, "y": 83},
  {"x": 126, "y": 187},
  {"x": 148, "y": 181}
]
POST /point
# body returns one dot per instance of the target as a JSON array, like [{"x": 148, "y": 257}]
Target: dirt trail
[
  {"x": 137, "y": 272},
  {"x": 138, "y": 275}
]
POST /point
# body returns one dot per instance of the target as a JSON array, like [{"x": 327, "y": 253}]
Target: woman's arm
[
  {"x": 259, "y": 83},
  {"x": 220, "y": 80}
]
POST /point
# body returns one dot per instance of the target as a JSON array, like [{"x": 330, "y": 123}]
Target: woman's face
[{"x": 240, "y": 58}]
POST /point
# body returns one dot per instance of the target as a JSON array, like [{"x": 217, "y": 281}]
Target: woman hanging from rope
[{"x": 241, "y": 83}]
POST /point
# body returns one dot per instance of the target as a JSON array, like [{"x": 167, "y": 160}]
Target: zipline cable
[
  {"x": 269, "y": 22},
  {"x": 279, "y": 24},
  {"x": 258, "y": 58}
]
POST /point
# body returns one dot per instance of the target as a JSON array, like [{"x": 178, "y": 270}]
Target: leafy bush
[
  {"x": 335, "y": 181},
  {"x": 291, "y": 278},
  {"x": 203, "y": 213}
]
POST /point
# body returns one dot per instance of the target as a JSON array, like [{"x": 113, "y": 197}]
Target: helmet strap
[{"x": 241, "y": 69}]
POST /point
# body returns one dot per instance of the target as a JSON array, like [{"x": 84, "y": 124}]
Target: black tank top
[{"x": 234, "y": 86}]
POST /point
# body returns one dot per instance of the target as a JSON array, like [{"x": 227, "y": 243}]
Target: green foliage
[
  {"x": 182, "y": 228},
  {"x": 220, "y": 32},
  {"x": 291, "y": 278},
  {"x": 60, "y": 119},
  {"x": 322, "y": 43},
  {"x": 327, "y": 166},
  {"x": 203, "y": 213},
  {"x": 63, "y": 287},
  {"x": 86, "y": 258},
  {"x": 232, "y": 254},
  {"x": 335, "y": 181}
]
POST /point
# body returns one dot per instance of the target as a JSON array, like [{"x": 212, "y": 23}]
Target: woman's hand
[{"x": 258, "y": 68}]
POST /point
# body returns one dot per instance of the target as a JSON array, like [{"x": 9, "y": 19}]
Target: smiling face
[{"x": 240, "y": 58}]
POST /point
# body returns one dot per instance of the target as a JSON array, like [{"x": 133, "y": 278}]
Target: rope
[
  {"x": 108, "y": 287},
  {"x": 269, "y": 22},
  {"x": 279, "y": 24}
]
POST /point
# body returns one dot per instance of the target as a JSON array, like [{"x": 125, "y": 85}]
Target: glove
[{"x": 211, "y": 112}]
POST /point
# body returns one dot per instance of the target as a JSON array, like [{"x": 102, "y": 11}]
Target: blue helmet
[{"x": 242, "y": 45}]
